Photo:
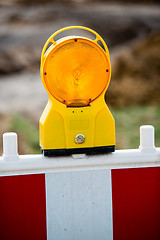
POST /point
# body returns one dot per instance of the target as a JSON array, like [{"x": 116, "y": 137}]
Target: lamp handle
[{"x": 52, "y": 41}]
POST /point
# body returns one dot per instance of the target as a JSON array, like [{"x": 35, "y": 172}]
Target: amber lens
[{"x": 76, "y": 72}]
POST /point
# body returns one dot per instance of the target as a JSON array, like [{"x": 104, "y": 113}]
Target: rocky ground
[{"x": 131, "y": 32}]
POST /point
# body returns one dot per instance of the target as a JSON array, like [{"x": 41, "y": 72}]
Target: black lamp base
[{"x": 70, "y": 151}]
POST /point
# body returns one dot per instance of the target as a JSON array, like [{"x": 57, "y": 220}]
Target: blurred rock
[
  {"x": 132, "y": 33},
  {"x": 35, "y": 2},
  {"x": 24, "y": 29},
  {"x": 14, "y": 60},
  {"x": 136, "y": 75}
]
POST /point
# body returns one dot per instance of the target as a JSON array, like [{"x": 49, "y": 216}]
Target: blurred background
[{"x": 131, "y": 30}]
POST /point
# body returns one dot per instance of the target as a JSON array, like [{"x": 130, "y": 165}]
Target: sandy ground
[{"x": 22, "y": 93}]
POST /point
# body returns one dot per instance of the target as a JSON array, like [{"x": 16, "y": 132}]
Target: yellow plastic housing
[{"x": 76, "y": 71}]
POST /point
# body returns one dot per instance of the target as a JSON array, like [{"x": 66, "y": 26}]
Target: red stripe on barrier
[
  {"x": 136, "y": 204},
  {"x": 23, "y": 207}
]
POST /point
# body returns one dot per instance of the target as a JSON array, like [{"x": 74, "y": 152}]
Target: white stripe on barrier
[{"x": 79, "y": 205}]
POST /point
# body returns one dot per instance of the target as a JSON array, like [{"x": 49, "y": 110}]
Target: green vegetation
[
  {"x": 128, "y": 121},
  {"x": 27, "y": 134}
]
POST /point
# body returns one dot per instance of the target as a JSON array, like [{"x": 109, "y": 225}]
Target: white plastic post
[
  {"x": 147, "y": 137},
  {"x": 10, "y": 145}
]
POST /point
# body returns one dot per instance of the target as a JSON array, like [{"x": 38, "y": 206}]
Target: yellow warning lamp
[{"x": 75, "y": 71}]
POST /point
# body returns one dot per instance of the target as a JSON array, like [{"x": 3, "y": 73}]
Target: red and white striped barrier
[{"x": 110, "y": 196}]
